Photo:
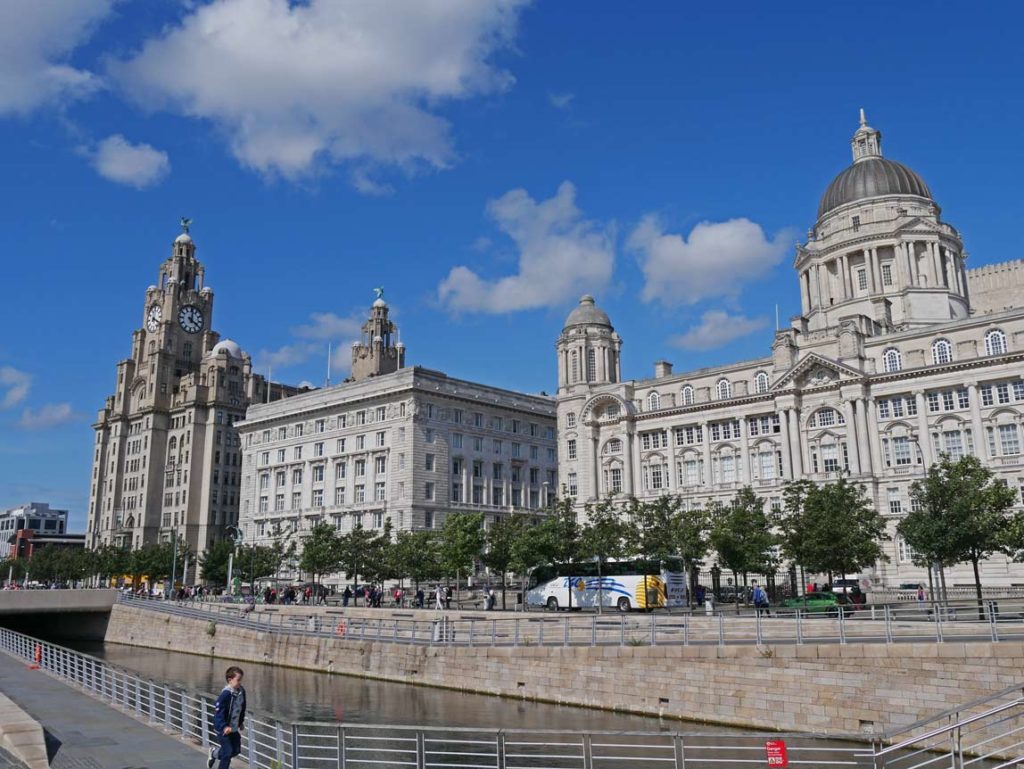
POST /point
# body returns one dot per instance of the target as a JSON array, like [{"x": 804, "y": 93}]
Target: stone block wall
[{"x": 827, "y": 689}]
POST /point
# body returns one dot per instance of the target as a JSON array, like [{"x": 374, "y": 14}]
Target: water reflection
[{"x": 304, "y": 695}]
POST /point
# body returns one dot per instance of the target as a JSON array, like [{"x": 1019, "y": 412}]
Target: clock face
[
  {"x": 153, "y": 317},
  {"x": 190, "y": 318}
]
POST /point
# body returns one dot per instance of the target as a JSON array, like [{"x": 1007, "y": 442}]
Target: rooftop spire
[{"x": 867, "y": 142}]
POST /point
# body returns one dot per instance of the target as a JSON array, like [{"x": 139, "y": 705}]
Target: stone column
[
  {"x": 796, "y": 443},
  {"x": 924, "y": 437},
  {"x": 915, "y": 273},
  {"x": 977, "y": 426},
  {"x": 595, "y": 464},
  {"x": 708, "y": 475},
  {"x": 852, "y": 443},
  {"x": 874, "y": 440},
  {"x": 466, "y": 481},
  {"x": 787, "y": 461},
  {"x": 876, "y": 266},
  {"x": 628, "y": 487},
  {"x": 746, "y": 476},
  {"x": 863, "y": 447},
  {"x": 869, "y": 265}
]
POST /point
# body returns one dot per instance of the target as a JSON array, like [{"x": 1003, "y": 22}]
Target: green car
[{"x": 830, "y": 604}]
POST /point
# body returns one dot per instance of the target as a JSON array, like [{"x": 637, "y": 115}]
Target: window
[
  {"x": 591, "y": 365},
  {"x": 318, "y": 497},
  {"x": 380, "y": 465},
  {"x": 766, "y": 460},
  {"x": 429, "y": 462},
  {"x": 571, "y": 448},
  {"x": 995, "y": 342},
  {"x": 887, "y": 274},
  {"x": 614, "y": 482},
  {"x": 379, "y": 492},
  {"x": 727, "y": 467},
  {"x": 570, "y": 419},
  {"x": 895, "y": 503},
  {"x": 379, "y": 439},
  {"x": 688, "y": 395},
  {"x": 296, "y": 476},
  {"x": 986, "y": 395},
  {"x": 1009, "y": 441},
  {"x": 318, "y": 473},
  {"x": 827, "y": 417},
  {"x": 319, "y": 425},
  {"x": 855, "y": 221},
  {"x": 360, "y": 417},
  {"x": 298, "y": 430},
  {"x": 830, "y": 458},
  {"x": 339, "y": 495},
  {"x": 614, "y": 446},
  {"x": 278, "y": 503},
  {"x": 360, "y": 468},
  {"x": 724, "y": 389},
  {"x": 360, "y": 442},
  {"x": 653, "y": 401},
  {"x": 689, "y": 473},
  {"x": 382, "y": 414},
  {"x": 573, "y": 486},
  {"x": 339, "y": 469},
  {"x": 497, "y": 446},
  {"x": 952, "y": 444},
  {"x": 892, "y": 360},
  {"x": 318, "y": 449},
  {"x": 360, "y": 493},
  {"x": 761, "y": 382},
  {"x": 428, "y": 435},
  {"x": 340, "y": 447},
  {"x": 574, "y": 358},
  {"x": 901, "y": 450},
  {"x": 942, "y": 352},
  {"x": 456, "y": 440},
  {"x": 862, "y": 279},
  {"x": 296, "y": 500},
  {"x": 904, "y": 552}
]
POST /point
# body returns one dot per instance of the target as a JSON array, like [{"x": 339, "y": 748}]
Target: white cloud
[
  {"x": 311, "y": 340},
  {"x": 561, "y": 100},
  {"x": 717, "y": 328},
  {"x": 36, "y": 40},
  {"x": 717, "y": 259},
  {"x": 137, "y": 165},
  {"x": 295, "y": 84},
  {"x": 561, "y": 255},
  {"x": 50, "y": 415},
  {"x": 15, "y": 385}
]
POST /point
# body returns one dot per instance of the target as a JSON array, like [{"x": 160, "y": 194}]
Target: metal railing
[
  {"x": 984, "y": 734},
  {"x": 993, "y": 621}
]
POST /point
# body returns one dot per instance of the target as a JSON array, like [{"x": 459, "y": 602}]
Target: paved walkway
[{"x": 85, "y": 733}]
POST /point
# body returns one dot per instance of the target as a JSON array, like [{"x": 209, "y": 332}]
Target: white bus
[{"x": 624, "y": 584}]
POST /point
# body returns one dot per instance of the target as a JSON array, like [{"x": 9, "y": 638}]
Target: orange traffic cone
[{"x": 38, "y": 657}]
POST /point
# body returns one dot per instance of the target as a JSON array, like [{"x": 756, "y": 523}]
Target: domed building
[{"x": 900, "y": 354}]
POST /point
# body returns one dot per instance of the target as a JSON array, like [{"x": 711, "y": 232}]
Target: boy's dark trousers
[{"x": 230, "y": 746}]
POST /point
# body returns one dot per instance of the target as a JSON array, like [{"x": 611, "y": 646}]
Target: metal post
[
  {"x": 993, "y": 626},
  {"x": 678, "y": 751},
  {"x": 686, "y": 630},
  {"x": 565, "y": 628},
  {"x": 494, "y": 632},
  {"x": 888, "y": 624},
  {"x": 654, "y": 630},
  {"x": 799, "y": 629},
  {"x": 472, "y": 631},
  {"x": 721, "y": 630},
  {"x": 295, "y": 746},
  {"x": 842, "y": 625},
  {"x": 515, "y": 638},
  {"x": 938, "y": 626},
  {"x": 622, "y": 630},
  {"x": 341, "y": 747},
  {"x": 757, "y": 625},
  {"x": 421, "y": 751},
  {"x": 588, "y": 752},
  {"x": 500, "y": 738},
  {"x": 593, "y": 630}
]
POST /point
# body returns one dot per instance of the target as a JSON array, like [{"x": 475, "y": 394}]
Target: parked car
[
  {"x": 830, "y": 604},
  {"x": 844, "y": 585}
]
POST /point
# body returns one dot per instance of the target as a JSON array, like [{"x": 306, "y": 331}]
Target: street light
[{"x": 936, "y": 566}]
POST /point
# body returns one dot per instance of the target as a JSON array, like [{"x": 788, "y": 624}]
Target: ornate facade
[
  {"x": 166, "y": 457},
  {"x": 900, "y": 354},
  {"x": 397, "y": 443}
]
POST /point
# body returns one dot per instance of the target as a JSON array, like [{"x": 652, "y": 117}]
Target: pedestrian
[
  {"x": 760, "y": 600},
  {"x": 448, "y": 597},
  {"x": 346, "y": 596},
  {"x": 420, "y": 597},
  {"x": 228, "y": 720},
  {"x": 439, "y": 598},
  {"x": 920, "y": 594}
]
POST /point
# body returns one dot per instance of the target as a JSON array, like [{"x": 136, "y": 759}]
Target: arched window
[
  {"x": 995, "y": 342},
  {"x": 653, "y": 401},
  {"x": 892, "y": 360},
  {"x": 614, "y": 446},
  {"x": 172, "y": 444},
  {"x": 761, "y": 382},
  {"x": 724, "y": 389},
  {"x": 942, "y": 352},
  {"x": 570, "y": 419},
  {"x": 591, "y": 365},
  {"x": 574, "y": 357},
  {"x": 688, "y": 395}
]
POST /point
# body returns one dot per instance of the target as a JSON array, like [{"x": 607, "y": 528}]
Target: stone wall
[
  {"x": 996, "y": 287},
  {"x": 828, "y": 688}
]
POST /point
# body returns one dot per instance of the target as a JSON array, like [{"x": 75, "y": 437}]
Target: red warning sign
[{"x": 776, "y": 752}]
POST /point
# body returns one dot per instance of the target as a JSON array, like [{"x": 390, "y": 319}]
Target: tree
[
  {"x": 320, "y": 551},
  {"x": 254, "y": 562},
  {"x": 790, "y": 524},
  {"x": 354, "y": 553},
  {"x": 112, "y": 562},
  {"x": 213, "y": 564},
  {"x": 500, "y": 552},
  {"x": 690, "y": 531},
  {"x": 741, "y": 534},
  {"x": 961, "y": 514},
  {"x": 462, "y": 539},
  {"x": 12, "y": 568},
  {"x": 842, "y": 529},
  {"x": 414, "y": 555},
  {"x": 604, "y": 536}
]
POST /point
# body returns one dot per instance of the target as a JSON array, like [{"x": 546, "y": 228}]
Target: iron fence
[
  {"x": 991, "y": 621},
  {"x": 986, "y": 733}
]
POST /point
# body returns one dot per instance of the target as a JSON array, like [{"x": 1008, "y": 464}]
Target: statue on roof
[
  {"x": 185, "y": 224},
  {"x": 379, "y": 291}
]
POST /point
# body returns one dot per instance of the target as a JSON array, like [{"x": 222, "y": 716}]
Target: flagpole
[{"x": 328, "y": 364}]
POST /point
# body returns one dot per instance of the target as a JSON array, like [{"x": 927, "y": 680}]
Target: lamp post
[
  {"x": 936, "y": 569},
  {"x": 174, "y": 564}
]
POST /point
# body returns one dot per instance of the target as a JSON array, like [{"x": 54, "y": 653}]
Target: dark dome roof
[{"x": 871, "y": 177}]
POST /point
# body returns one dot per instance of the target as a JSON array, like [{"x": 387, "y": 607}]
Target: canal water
[{"x": 304, "y": 695}]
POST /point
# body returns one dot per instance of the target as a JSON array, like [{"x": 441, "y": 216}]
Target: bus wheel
[
  {"x": 552, "y": 604},
  {"x": 623, "y": 604}
]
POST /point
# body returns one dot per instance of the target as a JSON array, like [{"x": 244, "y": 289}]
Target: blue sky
[{"x": 486, "y": 162}]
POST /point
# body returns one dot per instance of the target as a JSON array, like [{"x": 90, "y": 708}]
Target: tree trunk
[
  {"x": 977, "y": 588},
  {"x": 736, "y": 590},
  {"x": 503, "y": 588},
  {"x": 942, "y": 581}
]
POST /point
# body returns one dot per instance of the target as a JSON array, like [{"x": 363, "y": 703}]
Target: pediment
[
  {"x": 917, "y": 224},
  {"x": 815, "y": 370}
]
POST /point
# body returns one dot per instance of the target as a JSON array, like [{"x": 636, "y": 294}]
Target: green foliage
[
  {"x": 59, "y": 564},
  {"x": 652, "y": 526},
  {"x": 362, "y": 552},
  {"x": 462, "y": 539},
  {"x": 213, "y": 564},
  {"x": 15, "y": 567},
  {"x": 742, "y": 536},
  {"x": 606, "y": 534},
  {"x": 414, "y": 554},
  {"x": 961, "y": 515},
  {"x": 501, "y": 543},
  {"x": 320, "y": 550}
]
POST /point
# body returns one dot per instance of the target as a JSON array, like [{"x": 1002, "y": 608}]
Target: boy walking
[{"x": 228, "y": 720}]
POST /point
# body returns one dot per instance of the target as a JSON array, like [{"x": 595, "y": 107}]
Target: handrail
[
  {"x": 956, "y": 709},
  {"x": 949, "y": 727}
]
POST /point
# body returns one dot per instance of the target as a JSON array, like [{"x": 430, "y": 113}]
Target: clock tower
[{"x": 166, "y": 457}]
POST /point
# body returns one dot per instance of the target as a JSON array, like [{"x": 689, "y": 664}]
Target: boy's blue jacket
[{"x": 222, "y": 710}]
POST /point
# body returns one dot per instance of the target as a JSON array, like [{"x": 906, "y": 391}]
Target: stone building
[
  {"x": 899, "y": 355},
  {"x": 36, "y": 517},
  {"x": 393, "y": 442},
  {"x": 166, "y": 456}
]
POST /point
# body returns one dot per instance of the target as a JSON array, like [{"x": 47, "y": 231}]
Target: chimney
[{"x": 662, "y": 368}]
